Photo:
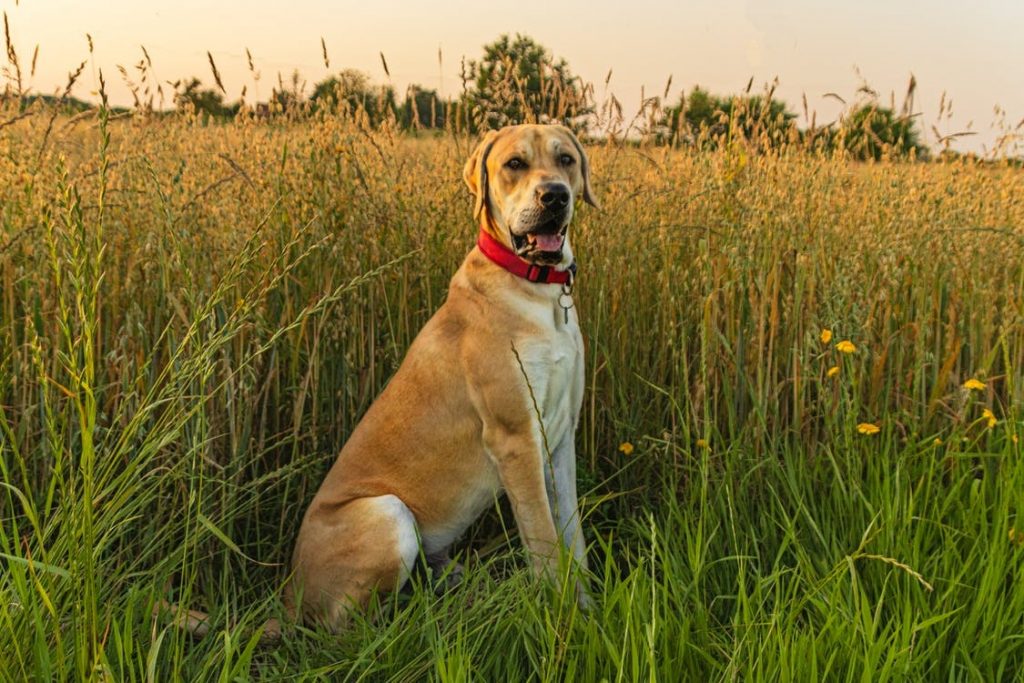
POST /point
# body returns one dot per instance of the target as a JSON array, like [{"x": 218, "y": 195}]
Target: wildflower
[
  {"x": 937, "y": 442},
  {"x": 703, "y": 443},
  {"x": 1013, "y": 438},
  {"x": 974, "y": 385},
  {"x": 626, "y": 448},
  {"x": 868, "y": 428},
  {"x": 846, "y": 346},
  {"x": 990, "y": 417},
  {"x": 826, "y": 336},
  {"x": 832, "y": 371}
]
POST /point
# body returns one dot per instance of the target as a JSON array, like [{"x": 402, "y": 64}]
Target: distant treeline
[{"x": 518, "y": 80}]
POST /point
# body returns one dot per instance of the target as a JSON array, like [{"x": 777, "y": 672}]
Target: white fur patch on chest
[{"x": 553, "y": 362}]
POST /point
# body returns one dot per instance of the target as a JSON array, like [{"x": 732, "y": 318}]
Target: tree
[
  {"x": 205, "y": 102},
  {"x": 423, "y": 109},
  {"x": 287, "y": 98},
  {"x": 871, "y": 131},
  {"x": 701, "y": 117},
  {"x": 351, "y": 90},
  {"x": 519, "y": 81},
  {"x": 67, "y": 105}
]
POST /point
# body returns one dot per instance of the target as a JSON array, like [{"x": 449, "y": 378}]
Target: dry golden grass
[{"x": 205, "y": 316}]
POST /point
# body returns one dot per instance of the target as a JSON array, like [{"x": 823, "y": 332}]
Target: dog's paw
[
  {"x": 446, "y": 577},
  {"x": 449, "y": 578},
  {"x": 583, "y": 599}
]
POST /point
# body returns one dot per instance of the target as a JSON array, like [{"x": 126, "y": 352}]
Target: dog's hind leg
[{"x": 343, "y": 555}]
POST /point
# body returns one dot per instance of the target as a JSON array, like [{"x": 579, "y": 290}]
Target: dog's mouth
[{"x": 542, "y": 244}]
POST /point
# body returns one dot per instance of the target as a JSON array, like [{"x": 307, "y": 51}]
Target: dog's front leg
[
  {"x": 564, "y": 505},
  {"x": 520, "y": 466}
]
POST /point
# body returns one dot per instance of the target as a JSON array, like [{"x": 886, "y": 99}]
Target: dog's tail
[{"x": 197, "y": 623}]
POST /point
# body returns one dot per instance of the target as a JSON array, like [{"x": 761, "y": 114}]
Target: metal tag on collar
[{"x": 565, "y": 298}]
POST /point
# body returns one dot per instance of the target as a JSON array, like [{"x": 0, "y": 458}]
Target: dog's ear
[
  {"x": 475, "y": 172},
  {"x": 588, "y": 193}
]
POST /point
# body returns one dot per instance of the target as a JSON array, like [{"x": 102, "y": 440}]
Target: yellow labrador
[{"x": 457, "y": 424}]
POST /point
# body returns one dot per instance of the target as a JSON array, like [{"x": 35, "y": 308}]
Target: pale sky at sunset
[{"x": 974, "y": 51}]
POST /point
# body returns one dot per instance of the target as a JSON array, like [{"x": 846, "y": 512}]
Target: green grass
[{"x": 193, "y": 318}]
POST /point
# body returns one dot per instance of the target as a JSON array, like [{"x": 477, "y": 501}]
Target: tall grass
[{"x": 193, "y": 318}]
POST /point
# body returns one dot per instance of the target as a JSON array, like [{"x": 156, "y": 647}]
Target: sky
[{"x": 973, "y": 52}]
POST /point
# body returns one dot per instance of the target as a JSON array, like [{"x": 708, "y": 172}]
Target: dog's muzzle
[{"x": 539, "y": 232}]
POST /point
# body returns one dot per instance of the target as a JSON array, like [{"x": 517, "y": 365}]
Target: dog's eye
[
  {"x": 515, "y": 164},
  {"x": 566, "y": 160}
]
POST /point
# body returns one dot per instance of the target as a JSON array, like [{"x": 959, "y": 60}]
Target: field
[{"x": 799, "y": 454}]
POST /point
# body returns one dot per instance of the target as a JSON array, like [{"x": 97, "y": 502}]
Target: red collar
[{"x": 504, "y": 257}]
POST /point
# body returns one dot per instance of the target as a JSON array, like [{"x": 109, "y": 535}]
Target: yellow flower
[
  {"x": 990, "y": 416},
  {"x": 826, "y": 336},
  {"x": 626, "y": 448},
  {"x": 703, "y": 443},
  {"x": 846, "y": 346},
  {"x": 832, "y": 371},
  {"x": 868, "y": 428},
  {"x": 1014, "y": 438},
  {"x": 974, "y": 384},
  {"x": 937, "y": 442}
]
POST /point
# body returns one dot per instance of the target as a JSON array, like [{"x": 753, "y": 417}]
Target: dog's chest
[{"x": 553, "y": 360}]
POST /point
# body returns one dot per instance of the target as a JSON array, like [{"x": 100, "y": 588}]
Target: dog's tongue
[{"x": 548, "y": 242}]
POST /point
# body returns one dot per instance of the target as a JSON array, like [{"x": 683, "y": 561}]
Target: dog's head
[{"x": 526, "y": 180}]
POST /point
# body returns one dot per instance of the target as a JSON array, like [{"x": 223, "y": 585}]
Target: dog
[{"x": 458, "y": 423}]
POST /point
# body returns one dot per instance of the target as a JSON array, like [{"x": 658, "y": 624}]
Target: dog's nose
[{"x": 553, "y": 195}]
